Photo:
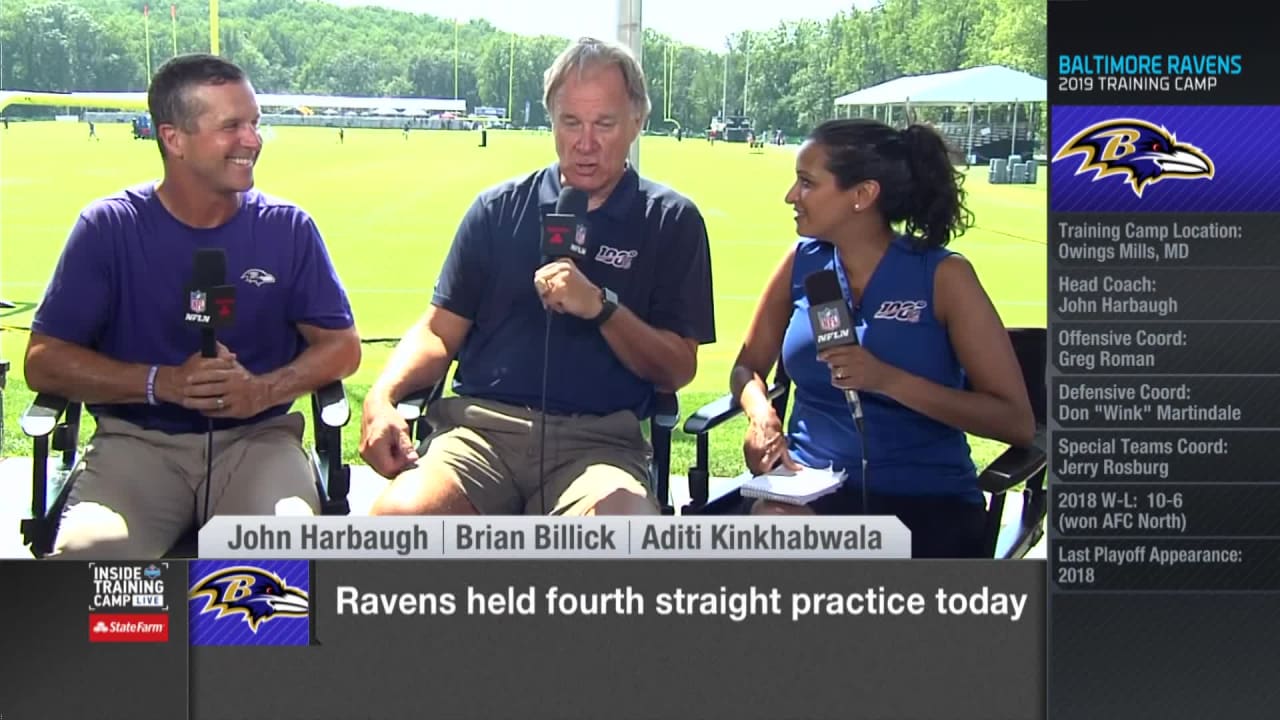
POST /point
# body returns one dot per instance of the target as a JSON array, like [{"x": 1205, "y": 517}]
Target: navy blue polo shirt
[{"x": 646, "y": 242}]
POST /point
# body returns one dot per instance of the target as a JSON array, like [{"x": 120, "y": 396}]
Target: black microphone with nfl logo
[
  {"x": 564, "y": 232},
  {"x": 832, "y": 327},
  {"x": 564, "y": 235},
  {"x": 211, "y": 303}
]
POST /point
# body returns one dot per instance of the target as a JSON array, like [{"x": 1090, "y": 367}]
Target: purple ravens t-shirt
[{"x": 121, "y": 284}]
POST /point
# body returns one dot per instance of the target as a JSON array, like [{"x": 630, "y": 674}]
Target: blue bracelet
[{"x": 151, "y": 385}]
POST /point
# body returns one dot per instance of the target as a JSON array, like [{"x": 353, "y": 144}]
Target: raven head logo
[
  {"x": 258, "y": 595},
  {"x": 258, "y": 276},
  {"x": 1138, "y": 151}
]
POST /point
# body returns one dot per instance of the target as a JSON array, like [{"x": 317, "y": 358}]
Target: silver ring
[{"x": 220, "y": 403}]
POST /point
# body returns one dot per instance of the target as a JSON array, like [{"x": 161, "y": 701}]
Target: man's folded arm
[
  {"x": 662, "y": 357},
  {"x": 82, "y": 375},
  {"x": 330, "y": 355},
  {"x": 422, "y": 356},
  {"x": 663, "y": 348}
]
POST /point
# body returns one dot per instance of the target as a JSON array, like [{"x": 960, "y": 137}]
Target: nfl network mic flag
[{"x": 250, "y": 602}]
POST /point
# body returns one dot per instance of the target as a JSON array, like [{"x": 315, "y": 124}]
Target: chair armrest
[
  {"x": 41, "y": 417},
  {"x": 1013, "y": 467},
  {"x": 413, "y": 408},
  {"x": 414, "y": 405},
  {"x": 666, "y": 410},
  {"x": 331, "y": 405},
  {"x": 721, "y": 410}
]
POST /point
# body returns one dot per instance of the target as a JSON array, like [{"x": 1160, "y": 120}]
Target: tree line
[{"x": 786, "y": 77}]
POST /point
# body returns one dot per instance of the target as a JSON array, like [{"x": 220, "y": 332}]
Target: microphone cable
[
  {"x": 571, "y": 207},
  {"x": 542, "y": 416},
  {"x": 208, "y": 284},
  {"x": 862, "y": 449},
  {"x": 208, "y": 471}
]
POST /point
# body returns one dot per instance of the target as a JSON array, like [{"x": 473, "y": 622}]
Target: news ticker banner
[
  {"x": 550, "y": 538},
  {"x": 613, "y": 637},
  {"x": 1164, "y": 329}
]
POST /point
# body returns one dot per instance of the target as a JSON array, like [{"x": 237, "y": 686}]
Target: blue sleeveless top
[{"x": 907, "y": 453}]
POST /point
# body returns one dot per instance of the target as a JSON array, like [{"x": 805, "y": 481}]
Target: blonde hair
[{"x": 591, "y": 52}]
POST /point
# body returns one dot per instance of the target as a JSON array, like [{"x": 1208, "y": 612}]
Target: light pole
[{"x": 631, "y": 34}]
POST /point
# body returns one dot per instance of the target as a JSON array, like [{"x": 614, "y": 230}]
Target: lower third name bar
[{"x": 522, "y": 537}]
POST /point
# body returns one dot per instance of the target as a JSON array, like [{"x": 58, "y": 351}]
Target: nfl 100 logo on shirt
[
  {"x": 901, "y": 310},
  {"x": 614, "y": 257}
]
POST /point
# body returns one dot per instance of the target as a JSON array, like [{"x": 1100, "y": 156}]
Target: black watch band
[{"x": 608, "y": 305}]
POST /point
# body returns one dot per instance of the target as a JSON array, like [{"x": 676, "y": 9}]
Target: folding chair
[
  {"x": 666, "y": 413},
  {"x": 53, "y": 424},
  {"x": 1013, "y": 468}
]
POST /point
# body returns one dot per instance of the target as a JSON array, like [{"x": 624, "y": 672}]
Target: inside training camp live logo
[
  {"x": 136, "y": 588},
  {"x": 1135, "y": 153},
  {"x": 260, "y": 602}
]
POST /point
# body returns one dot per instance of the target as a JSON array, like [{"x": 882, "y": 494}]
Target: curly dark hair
[{"x": 919, "y": 186}]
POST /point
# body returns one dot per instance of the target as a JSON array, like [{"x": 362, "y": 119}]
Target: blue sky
[{"x": 703, "y": 23}]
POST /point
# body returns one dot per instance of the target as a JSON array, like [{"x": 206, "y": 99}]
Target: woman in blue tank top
[{"x": 924, "y": 323}]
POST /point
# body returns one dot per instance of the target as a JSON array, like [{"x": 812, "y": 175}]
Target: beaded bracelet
[{"x": 151, "y": 385}]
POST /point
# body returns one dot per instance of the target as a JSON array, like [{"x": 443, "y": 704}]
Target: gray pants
[{"x": 135, "y": 492}]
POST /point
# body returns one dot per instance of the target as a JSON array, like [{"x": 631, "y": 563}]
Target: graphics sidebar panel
[{"x": 1164, "y": 346}]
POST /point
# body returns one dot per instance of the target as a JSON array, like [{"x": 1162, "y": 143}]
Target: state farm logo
[{"x": 132, "y": 627}]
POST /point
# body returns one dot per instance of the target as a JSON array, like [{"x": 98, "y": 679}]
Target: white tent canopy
[{"x": 986, "y": 84}]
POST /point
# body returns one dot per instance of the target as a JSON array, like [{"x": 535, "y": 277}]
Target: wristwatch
[{"x": 608, "y": 304}]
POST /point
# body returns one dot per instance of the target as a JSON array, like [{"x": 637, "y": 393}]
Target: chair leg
[
  {"x": 991, "y": 533},
  {"x": 699, "y": 477}
]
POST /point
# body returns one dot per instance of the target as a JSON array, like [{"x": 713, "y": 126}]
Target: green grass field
[{"x": 388, "y": 209}]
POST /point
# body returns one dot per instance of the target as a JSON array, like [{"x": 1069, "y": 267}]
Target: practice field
[{"x": 388, "y": 208}]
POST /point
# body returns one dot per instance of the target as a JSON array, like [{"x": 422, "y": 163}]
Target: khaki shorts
[
  {"x": 135, "y": 492},
  {"x": 492, "y": 450}
]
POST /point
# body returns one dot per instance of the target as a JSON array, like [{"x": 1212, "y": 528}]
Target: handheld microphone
[
  {"x": 210, "y": 302},
  {"x": 564, "y": 235},
  {"x": 832, "y": 326},
  {"x": 564, "y": 232}
]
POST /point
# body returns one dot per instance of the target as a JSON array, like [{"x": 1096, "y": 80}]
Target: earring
[{"x": 857, "y": 208}]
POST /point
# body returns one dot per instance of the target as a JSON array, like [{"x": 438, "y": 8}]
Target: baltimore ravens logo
[
  {"x": 1138, "y": 151},
  {"x": 258, "y": 595},
  {"x": 257, "y": 276}
]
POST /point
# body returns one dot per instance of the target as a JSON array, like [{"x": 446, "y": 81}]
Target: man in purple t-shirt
[{"x": 110, "y": 332}]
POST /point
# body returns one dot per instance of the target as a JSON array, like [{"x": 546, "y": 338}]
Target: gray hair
[{"x": 590, "y": 52}]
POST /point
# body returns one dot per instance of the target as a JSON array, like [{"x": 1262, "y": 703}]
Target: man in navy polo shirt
[
  {"x": 627, "y": 318},
  {"x": 110, "y": 332}
]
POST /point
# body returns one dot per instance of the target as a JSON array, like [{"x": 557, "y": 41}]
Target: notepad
[{"x": 792, "y": 487}]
